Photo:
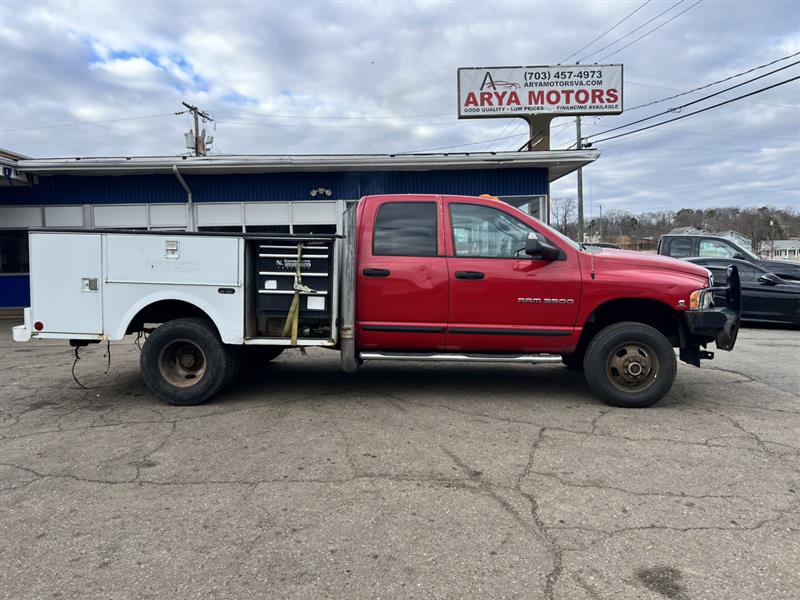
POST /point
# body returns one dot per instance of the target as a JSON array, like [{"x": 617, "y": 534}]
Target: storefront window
[{"x": 13, "y": 252}]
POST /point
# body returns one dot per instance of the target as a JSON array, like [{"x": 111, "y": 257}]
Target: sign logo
[{"x": 489, "y": 82}]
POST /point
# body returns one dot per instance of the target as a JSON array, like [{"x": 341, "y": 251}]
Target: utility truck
[{"x": 411, "y": 278}]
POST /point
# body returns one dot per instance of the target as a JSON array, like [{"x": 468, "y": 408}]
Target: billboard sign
[{"x": 486, "y": 92}]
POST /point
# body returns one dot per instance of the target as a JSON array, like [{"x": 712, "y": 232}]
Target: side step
[{"x": 448, "y": 357}]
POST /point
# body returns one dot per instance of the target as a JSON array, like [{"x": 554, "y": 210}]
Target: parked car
[
  {"x": 766, "y": 297},
  {"x": 703, "y": 245},
  {"x": 603, "y": 245}
]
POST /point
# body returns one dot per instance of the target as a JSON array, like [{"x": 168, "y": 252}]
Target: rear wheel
[
  {"x": 234, "y": 363},
  {"x": 184, "y": 362},
  {"x": 630, "y": 365}
]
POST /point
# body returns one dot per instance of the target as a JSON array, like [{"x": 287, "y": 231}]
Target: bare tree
[
  {"x": 617, "y": 224},
  {"x": 564, "y": 212}
]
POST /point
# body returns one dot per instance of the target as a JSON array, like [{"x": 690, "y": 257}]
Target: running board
[{"x": 448, "y": 357}]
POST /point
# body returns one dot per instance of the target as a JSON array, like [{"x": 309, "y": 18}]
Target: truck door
[
  {"x": 66, "y": 282},
  {"x": 401, "y": 283},
  {"x": 500, "y": 298},
  {"x": 764, "y": 300}
]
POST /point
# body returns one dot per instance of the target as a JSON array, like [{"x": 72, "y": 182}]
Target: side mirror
[
  {"x": 739, "y": 256},
  {"x": 540, "y": 250},
  {"x": 770, "y": 279}
]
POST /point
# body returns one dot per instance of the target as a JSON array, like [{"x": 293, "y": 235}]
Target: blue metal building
[{"x": 301, "y": 194}]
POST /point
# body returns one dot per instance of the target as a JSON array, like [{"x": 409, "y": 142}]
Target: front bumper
[{"x": 720, "y": 325}]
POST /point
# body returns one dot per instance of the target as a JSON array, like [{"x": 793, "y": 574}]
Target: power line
[
  {"x": 87, "y": 123},
  {"x": 702, "y": 110},
  {"x": 671, "y": 89},
  {"x": 619, "y": 39},
  {"x": 708, "y": 85},
  {"x": 514, "y": 131},
  {"x": 307, "y": 125},
  {"x": 501, "y": 133},
  {"x": 682, "y": 106},
  {"x": 677, "y": 150},
  {"x": 329, "y": 118},
  {"x": 508, "y": 137},
  {"x": 599, "y": 37},
  {"x": 649, "y": 32},
  {"x": 738, "y": 135},
  {"x": 713, "y": 134}
]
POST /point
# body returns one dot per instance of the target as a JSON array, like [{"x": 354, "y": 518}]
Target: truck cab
[{"x": 452, "y": 274}]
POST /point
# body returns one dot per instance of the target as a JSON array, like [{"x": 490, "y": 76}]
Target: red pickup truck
[{"x": 413, "y": 277}]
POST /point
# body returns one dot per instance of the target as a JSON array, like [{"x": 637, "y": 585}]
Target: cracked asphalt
[{"x": 403, "y": 481}]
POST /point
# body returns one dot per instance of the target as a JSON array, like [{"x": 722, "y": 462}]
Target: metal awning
[{"x": 558, "y": 163}]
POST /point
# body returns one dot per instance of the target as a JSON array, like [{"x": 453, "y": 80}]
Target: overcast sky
[{"x": 380, "y": 77}]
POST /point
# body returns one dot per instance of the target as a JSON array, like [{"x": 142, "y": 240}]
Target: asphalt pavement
[{"x": 405, "y": 480}]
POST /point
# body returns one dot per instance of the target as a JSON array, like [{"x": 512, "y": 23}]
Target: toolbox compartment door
[{"x": 67, "y": 282}]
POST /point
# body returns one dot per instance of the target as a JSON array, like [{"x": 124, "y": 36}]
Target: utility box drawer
[{"x": 276, "y": 265}]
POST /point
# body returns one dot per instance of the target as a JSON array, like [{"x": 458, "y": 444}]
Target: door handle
[
  {"x": 376, "y": 272},
  {"x": 469, "y": 275}
]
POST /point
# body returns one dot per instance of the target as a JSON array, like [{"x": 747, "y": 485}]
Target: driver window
[
  {"x": 480, "y": 231},
  {"x": 716, "y": 249}
]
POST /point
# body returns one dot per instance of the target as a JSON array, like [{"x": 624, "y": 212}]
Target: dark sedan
[{"x": 766, "y": 298}]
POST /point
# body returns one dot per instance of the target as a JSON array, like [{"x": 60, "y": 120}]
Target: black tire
[
  {"x": 574, "y": 362},
  {"x": 184, "y": 362},
  {"x": 630, "y": 365},
  {"x": 255, "y": 357},
  {"x": 234, "y": 364}
]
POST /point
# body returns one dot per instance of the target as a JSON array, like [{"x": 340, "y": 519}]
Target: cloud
[{"x": 367, "y": 77}]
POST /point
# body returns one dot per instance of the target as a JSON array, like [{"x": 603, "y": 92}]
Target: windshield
[
  {"x": 558, "y": 234},
  {"x": 749, "y": 254}
]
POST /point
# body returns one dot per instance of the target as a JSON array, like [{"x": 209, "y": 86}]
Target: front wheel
[
  {"x": 630, "y": 365},
  {"x": 184, "y": 362}
]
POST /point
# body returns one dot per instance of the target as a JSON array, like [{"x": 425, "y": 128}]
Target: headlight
[{"x": 700, "y": 300}]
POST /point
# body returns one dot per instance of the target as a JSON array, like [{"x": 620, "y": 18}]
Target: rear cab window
[
  {"x": 406, "y": 229},
  {"x": 680, "y": 248}
]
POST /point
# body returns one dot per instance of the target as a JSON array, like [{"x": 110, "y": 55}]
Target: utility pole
[
  {"x": 772, "y": 238},
  {"x": 199, "y": 138},
  {"x": 579, "y": 146},
  {"x": 600, "y": 224}
]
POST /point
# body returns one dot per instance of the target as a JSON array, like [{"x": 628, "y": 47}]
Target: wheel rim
[
  {"x": 632, "y": 367},
  {"x": 182, "y": 363}
]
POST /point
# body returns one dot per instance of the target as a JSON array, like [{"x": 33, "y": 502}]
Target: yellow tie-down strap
[{"x": 293, "y": 317}]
